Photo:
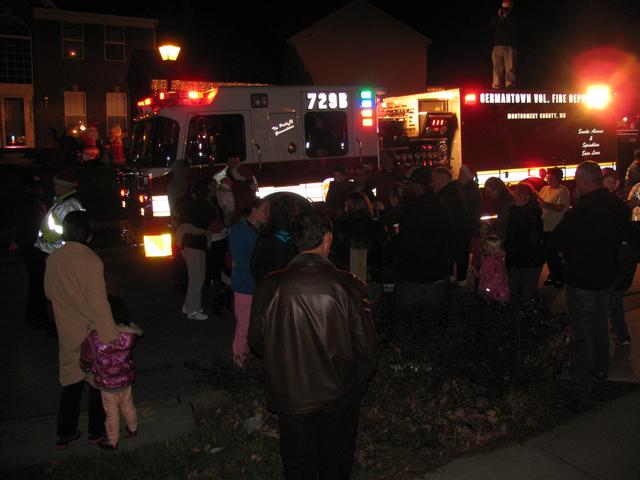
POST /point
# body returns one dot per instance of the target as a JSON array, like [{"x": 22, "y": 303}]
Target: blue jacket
[{"x": 242, "y": 241}]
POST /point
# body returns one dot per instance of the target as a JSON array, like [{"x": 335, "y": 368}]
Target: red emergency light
[{"x": 470, "y": 99}]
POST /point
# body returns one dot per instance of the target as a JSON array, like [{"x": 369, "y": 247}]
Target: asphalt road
[{"x": 164, "y": 357}]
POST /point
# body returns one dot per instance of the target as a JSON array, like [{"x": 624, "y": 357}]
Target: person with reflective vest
[{"x": 50, "y": 235}]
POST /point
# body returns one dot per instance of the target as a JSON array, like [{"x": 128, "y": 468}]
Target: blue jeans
[
  {"x": 589, "y": 334},
  {"x": 616, "y": 314},
  {"x": 411, "y": 298}
]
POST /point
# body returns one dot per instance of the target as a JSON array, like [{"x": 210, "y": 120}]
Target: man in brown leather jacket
[{"x": 312, "y": 324}]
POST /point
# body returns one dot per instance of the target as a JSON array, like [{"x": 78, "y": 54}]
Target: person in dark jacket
[
  {"x": 504, "y": 51},
  {"x": 312, "y": 325},
  {"x": 194, "y": 217},
  {"x": 339, "y": 188},
  {"x": 468, "y": 181},
  {"x": 589, "y": 237},
  {"x": 422, "y": 246},
  {"x": 30, "y": 211},
  {"x": 274, "y": 248},
  {"x": 501, "y": 198},
  {"x": 524, "y": 244},
  {"x": 451, "y": 197}
]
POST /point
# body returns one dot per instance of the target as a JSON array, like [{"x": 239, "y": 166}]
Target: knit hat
[
  {"x": 507, "y": 4},
  {"x": 66, "y": 178},
  {"x": 242, "y": 173}
]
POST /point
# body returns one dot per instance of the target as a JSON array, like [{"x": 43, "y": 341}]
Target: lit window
[
  {"x": 117, "y": 110},
  {"x": 72, "y": 41},
  {"x": 75, "y": 108}
]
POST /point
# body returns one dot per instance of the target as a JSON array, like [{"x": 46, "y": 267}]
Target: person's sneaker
[
  {"x": 184, "y": 310},
  {"x": 63, "y": 442},
  {"x": 131, "y": 433},
  {"x": 105, "y": 445},
  {"x": 197, "y": 316},
  {"x": 625, "y": 341},
  {"x": 95, "y": 439}
]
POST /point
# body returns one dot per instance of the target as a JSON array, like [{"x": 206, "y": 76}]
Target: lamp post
[{"x": 169, "y": 52}]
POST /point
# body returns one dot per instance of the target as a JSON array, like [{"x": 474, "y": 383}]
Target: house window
[
  {"x": 114, "y": 43},
  {"x": 116, "y": 110},
  {"x": 15, "y": 51},
  {"x": 75, "y": 108},
  {"x": 72, "y": 40}
]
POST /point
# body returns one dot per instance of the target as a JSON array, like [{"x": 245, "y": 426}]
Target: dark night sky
[{"x": 249, "y": 37}]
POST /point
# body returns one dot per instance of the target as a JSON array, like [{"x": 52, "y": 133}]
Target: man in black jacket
[
  {"x": 589, "y": 237},
  {"x": 422, "y": 246},
  {"x": 312, "y": 324},
  {"x": 452, "y": 199}
]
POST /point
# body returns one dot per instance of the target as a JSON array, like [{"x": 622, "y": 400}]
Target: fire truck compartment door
[{"x": 284, "y": 143}]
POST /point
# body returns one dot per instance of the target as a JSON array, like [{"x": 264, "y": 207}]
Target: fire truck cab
[
  {"x": 292, "y": 137},
  {"x": 507, "y": 134}
]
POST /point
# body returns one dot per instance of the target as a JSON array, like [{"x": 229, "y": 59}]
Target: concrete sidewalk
[
  {"x": 601, "y": 444},
  {"x": 27, "y": 441}
]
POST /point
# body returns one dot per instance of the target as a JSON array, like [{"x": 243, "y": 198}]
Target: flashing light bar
[
  {"x": 367, "y": 122},
  {"x": 194, "y": 95},
  {"x": 366, "y": 103},
  {"x": 157, "y": 245},
  {"x": 366, "y": 94},
  {"x": 367, "y": 113}
]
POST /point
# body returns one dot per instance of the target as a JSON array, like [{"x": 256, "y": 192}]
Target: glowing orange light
[
  {"x": 598, "y": 96},
  {"x": 211, "y": 95},
  {"x": 123, "y": 192},
  {"x": 367, "y": 113},
  {"x": 367, "y": 122},
  {"x": 161, "y": 96},
  {"x": 194, "y": 95},
  {"x": 470, "y": 98},
  {"x": 141, "y": 198},
  {"x": 147, "y": 101}
]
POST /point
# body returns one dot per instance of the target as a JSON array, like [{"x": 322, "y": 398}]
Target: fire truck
[
  {"x": 508, "y": 134},
  {"x": 292, "y": 137}
]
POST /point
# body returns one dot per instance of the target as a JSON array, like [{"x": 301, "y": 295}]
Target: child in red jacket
[{"x": 111, "y": 365}]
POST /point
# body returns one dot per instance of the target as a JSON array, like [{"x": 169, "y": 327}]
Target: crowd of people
[{"x": 409, "y": 235}]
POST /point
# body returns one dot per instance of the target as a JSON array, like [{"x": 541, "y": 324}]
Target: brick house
[{"x": 61, "y": 67}]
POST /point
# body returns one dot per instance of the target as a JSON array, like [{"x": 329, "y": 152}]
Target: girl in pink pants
[{"x": 112, "y": 368}]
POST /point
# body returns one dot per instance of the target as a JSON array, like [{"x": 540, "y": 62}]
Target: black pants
[
  {"x": 37, "y": 309},
  {"x": 320, "y": 444},
  {"x": 69, "y": 411},
  {"x": 554, "y": 262}
]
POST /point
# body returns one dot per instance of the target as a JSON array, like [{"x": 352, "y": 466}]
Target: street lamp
[{"x": 169, "y": 52}]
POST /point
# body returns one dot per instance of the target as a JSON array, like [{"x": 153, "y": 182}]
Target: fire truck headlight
[{"x": 598, "y": 96}]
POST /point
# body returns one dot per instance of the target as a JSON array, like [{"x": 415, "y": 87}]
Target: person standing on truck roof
[{"x": 504, "y": 51}]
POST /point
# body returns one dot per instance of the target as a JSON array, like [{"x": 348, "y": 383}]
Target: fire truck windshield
[{"x": 154, "y": 142}]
